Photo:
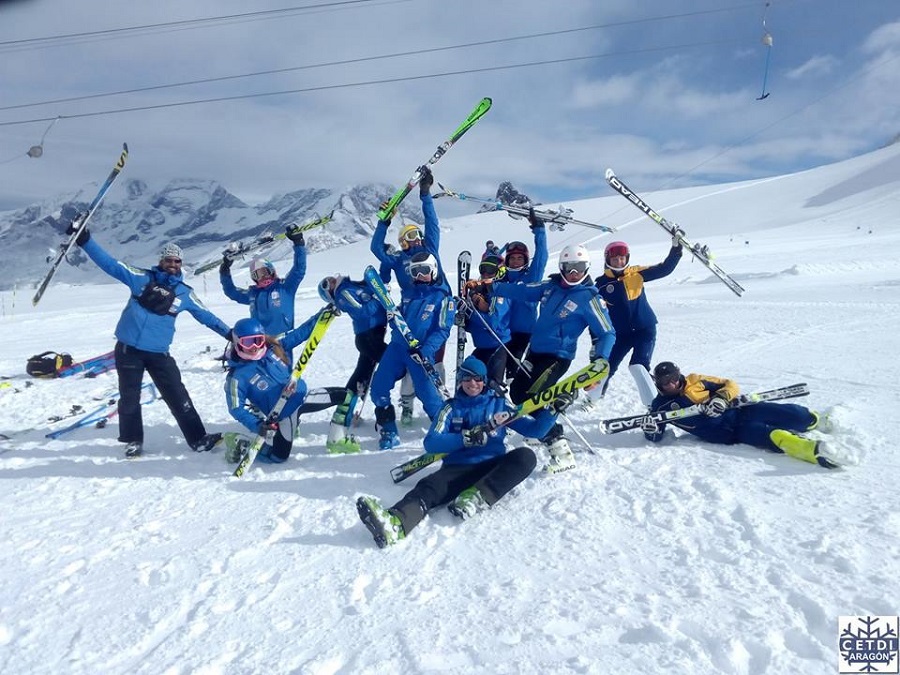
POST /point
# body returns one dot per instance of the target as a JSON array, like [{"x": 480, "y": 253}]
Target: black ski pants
[
  {"x": 518, "y": 343},
  {"x": 130, "y": 366},
  {"x": 546, "y": 369},
  {"x": 370, "y": 345},
  {"x": 493, "y": 478}
]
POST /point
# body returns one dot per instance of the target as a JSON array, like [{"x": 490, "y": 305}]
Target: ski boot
[
  {"x": 339, "y": 442},
  {"x": 469, "y": 502},
  {"x": 561, "y": 457},
  {"x": 207, "y": 443},
  {"x": 388, "y": 440},
  {"x": 822, "y": 422},
  {"x": 236, "y": 446},
  {"x": 134, "y": 449},
  {"x": 385, "y": 527},
  {"x": 406, "y": 410},
  {"x": 804, "y": 449}
]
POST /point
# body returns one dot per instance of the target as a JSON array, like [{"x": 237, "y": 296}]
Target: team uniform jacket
[
  {"x": 497, "y": 317},
  {"x": 466, "y": 412},
  {"x": 399, "y": 260},
  {"x": 624, "y": 292},
  {"x": 565, "y": 311},
  {"x": 356, "y": 300},
  {"x": 699, "y": 389},
  {"x": 429, "y": 311},
  {"x": 272, "y": 306},
  {"x": 261, "y": 382},
  {"x": 139, "y": 327},
  {"x": 523, "y": 314}
]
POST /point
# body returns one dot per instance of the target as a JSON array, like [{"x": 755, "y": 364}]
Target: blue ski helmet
[{"x": 249, "y": 338}]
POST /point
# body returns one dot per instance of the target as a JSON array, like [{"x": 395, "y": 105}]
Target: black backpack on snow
[{"x": 47, "y": 364}]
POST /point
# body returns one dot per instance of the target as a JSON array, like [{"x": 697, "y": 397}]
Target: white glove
[
  {"x": 677, "y": 232},
  {"x": 650, "y": 426},
  {"x": 715, "y": 406}
]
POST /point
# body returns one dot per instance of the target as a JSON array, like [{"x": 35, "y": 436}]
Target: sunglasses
[
  {"x": 471, "y": 378},
  {"x": 252, "y": 343}
]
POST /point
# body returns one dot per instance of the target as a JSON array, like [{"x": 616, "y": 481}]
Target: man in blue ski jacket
[
  {"x": 270, "y": 298},
  {"x": 569, "y": 303},
  {"x": 476, "y": 470},
  {"x": 428, "y": 309},
  {"x": 144, "y": 335}
]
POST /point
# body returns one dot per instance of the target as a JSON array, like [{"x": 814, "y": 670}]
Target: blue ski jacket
[
  {"x": 139, "y": 327},
  {"x": 565, "y": 312},
  {"x": 624, "y": 292},
  {"x": 272, "y": 306},
  {"x": 261, "y": 382},
  {"x": 466, "y": 412},
  {"x": 428, "y": 310},
  {"x": 398, "y": 261},
  {"x": 497, "y": 317},
  {"x": 523, "y": 314},
  {"x": 355, "y": 298}
]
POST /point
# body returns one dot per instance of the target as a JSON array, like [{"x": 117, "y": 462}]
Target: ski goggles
[
  {"x": 421, "y": 271},
  {"x": 252, "y": 343},
  {"x": 413, "y": 235},
  {"x": 667, "y": 381},
  {"x": 580, "y": 266},
  {"x": 261, "y": 273},
  {"x": 487, "y": 269},
  {"x": 614, "y": 251}
]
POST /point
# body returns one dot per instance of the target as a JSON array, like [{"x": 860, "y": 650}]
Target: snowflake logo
[{"x": 869, "y": 644}]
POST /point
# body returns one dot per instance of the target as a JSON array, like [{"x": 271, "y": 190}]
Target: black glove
[
  {"x": 83, "y": 236},
  {"x": 475, "y": 437},
  {"x": 426, "y": 181},
  {"x": 296, "y": 236},
  {"x": 714, "y": 407},
  {"x": 268, "y": 430},
  {"x": 415, "y": 353},
  {"x": 478, "y": 287},
  {"x": 533, "y": 219},
  {"x": 650, "y": 426},
  {"x": 563, "y": 401},
  {"x": 225, "y": 267}
]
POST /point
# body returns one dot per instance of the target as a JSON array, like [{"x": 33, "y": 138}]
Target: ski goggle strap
[
  {"x": 580, "y": 266},
  {"x": 614, "y": 251},
  {"x": 252, "y": 343}
]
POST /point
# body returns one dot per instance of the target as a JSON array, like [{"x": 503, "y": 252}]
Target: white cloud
[{"x": 817, "y": 65}]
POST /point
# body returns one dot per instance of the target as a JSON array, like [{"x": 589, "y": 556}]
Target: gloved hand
[
  {"x": 225, "y": 267},
  {"x": 296, "y": 236},
  {"x": 382, "y": 207},
  {"x": 426, "y": 181},
  {"x": 533, "y": 220},
  {"x": 479, "y": 287},
  {"x": 268, "y": 429},
  {"x": 83, "y": 237},
  {"x": 475, "y": 437},
  {"x": 677, "y": 232},
  {"x": 650, "y": 426},
  {"x": 561, "y": 403},
  {"x": 714, "y": 407}
]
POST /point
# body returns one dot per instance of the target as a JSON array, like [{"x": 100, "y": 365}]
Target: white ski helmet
[
  {"x": 574, "y": 257},
  {"x": 262, "y": 272}
]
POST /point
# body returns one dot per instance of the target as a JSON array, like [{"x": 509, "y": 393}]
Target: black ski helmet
[{"x": 666, "y": 371}]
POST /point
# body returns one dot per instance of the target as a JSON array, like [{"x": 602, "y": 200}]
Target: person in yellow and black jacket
[
  {"x": 622, "y": 287},
  {"x": 771, "y": 426}
]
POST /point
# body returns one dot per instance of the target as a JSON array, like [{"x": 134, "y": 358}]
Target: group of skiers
[{"x": 524, "y": 330}]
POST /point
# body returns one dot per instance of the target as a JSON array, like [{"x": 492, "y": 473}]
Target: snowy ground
[{"x": 684, "y": 558}]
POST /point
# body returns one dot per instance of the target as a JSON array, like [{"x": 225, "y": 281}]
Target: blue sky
[{"x": 665, "y": 100}]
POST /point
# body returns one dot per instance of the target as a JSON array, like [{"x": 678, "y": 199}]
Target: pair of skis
[
  {"x": 554, "y": 219},
  {"x": 396, "y": 318},
  {"x": 101, "y": 415},
  {"x": 699, "y": 252},
  {"x": 619, "y": 424},
  {"x": 326, "y": 316},
  {"x": 391, "y": 204},
  {"x": 83, "y": 219},
  {"x": 240, "y": 249},
  {"x": 593, "y": 373}
]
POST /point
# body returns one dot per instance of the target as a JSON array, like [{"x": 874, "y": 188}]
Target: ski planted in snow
[
  {"x": 618, "y": 424},
  {"x": 554, "y": 219},
  {"x": 480, "y": 111},
  {"x": 396, "y": 318},
  {"x": 699, "y": 252},
  {"x": 463, "y": 270},
  {"x": 326, "y": 316},
  {"x": 239, "y": 249},
  {"x": 593, "y": 373},
  {"x": 83, "y": 219}
]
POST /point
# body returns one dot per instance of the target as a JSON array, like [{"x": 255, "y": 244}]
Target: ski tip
[
  {"x": 610, "y": 173},
  {"x": 125, "y": 147}
]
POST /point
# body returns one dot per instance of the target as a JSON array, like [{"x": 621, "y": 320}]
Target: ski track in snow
[{"x": 682, "y": 557}]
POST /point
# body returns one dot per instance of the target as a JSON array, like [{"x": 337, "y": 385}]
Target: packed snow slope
[{"x": 679, "y": 558}]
